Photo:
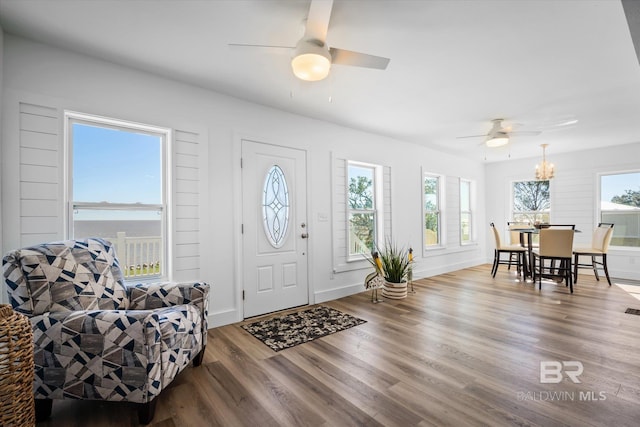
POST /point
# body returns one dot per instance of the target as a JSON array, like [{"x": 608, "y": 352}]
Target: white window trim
[
  {"x": 165, "y": 134},
  {"x": 441, "y": 212},
  {"x": 598, "y": 210},
  {"x": 378, "y": 208},
  {"x": 471, "y": 212}
]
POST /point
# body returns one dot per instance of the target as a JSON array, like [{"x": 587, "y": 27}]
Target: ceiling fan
[
  {"x": 311, "y": 58},
  {"x": 499, "y": 135}
]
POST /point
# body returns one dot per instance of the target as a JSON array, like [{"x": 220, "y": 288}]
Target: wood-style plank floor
[{"x": 465, "y": 349}]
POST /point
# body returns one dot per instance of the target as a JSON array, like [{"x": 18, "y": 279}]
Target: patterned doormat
[{"x": 296, "y": 328}]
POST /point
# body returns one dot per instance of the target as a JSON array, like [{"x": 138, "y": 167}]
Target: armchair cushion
[{"x": 68, "y": 275}]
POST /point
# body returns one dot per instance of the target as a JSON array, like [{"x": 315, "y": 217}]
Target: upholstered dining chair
[
  {"x": 514, "y": 235},
  {"x": 512, "y": 250},
  {"x": 598, "y": 252},
  {"x": 97, "y": 337},
  {"x": 556, "y": 245}
]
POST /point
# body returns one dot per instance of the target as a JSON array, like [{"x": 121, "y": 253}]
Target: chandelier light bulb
[{"x": 545, "y": 170}]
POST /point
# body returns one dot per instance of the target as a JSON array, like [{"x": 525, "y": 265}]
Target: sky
[
  {"x": 615, "y": 185},
  {"x": 116, "y": 166}
]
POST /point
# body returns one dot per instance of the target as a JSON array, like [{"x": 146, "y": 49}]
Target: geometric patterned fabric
[
  {"x": 73, "y": 275},
  {"x": 96, "y": 337}
]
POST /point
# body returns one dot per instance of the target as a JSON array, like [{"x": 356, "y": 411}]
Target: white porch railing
[{"x": 139, "y": 256}]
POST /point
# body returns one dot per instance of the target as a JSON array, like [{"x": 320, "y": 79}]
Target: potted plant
[{"x": 394, "y": 264}]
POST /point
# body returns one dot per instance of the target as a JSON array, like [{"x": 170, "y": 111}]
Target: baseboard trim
[
  {"x": 222, "y": 318},
  {"x": 343, "y": 291}
]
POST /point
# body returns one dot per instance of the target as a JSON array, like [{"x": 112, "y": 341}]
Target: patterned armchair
[{"x": 96, "y": 337}]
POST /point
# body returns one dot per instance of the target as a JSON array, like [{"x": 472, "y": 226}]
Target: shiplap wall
[
  {"x": 41, "y": 210},
  {"x": 452, "y": 210},
  {"x": 187, "y": 205}
]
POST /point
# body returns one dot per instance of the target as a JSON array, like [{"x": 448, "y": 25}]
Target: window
[
  {"x": 620, "y": 205},
  {"x": 432, "y": 210},
  {"x": 117, "y": 189},
  {"x": 361, "y": 208},
  {"x": 466, "y": 217},
  {"x": 275, "y": 206},
  {"x": 530, "y": 201}
]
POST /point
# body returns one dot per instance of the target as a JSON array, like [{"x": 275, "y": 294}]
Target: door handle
[{"x": 305, "y": 235}]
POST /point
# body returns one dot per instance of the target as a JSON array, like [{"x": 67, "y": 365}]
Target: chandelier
[{"x": 544, "y": 171}]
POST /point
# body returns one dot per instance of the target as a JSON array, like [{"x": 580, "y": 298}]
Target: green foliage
[
  {"x": 431, "y": 194},
  {"x": 142, "y": 270},
  {"x": 360, "y": 194},
  {"x": 363, "y": 229},
  {"x": 394, "y": 261},
  {"x": 629, "y": 198},
  {"x": 361, "y": 197}
]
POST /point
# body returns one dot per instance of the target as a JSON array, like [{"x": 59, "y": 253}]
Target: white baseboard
[
  {"x": 222, "y": 318},
  {"x": 335, "y": 293},
  {"x": 343, "y": 291}
]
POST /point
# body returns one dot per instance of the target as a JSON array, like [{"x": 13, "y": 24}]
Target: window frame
[
  {"x": 598, "y": 207},
  {"x": 165, "y": 135},
  {"x": 470, "y": 212},
  {"x": 377, "y": 209},
  {"x": 440, "y": 211}
]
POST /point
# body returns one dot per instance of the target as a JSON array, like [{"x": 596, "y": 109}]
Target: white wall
[
  {"x": 1, "y": 86},
  {"x": 44, "y": 75},
  {"x": 573, "y": 192}
]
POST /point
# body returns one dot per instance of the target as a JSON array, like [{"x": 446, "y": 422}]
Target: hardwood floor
[{"x": 466, "y": 349}]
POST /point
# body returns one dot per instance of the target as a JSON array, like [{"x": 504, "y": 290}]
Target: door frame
[{"x": 238, "y": 263}]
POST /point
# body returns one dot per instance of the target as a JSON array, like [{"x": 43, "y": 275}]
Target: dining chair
[
  {"x": 598, "y": 252},
  {"x": 556, "y": 245},
  {"x": 514, "y": 234},
  {"x": 512, "y": 250}
]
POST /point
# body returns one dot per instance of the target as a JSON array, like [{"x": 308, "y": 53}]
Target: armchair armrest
[{"x": 147, "y": 296}]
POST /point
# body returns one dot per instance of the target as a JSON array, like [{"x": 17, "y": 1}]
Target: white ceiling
[{"x": 455, "y": 65}]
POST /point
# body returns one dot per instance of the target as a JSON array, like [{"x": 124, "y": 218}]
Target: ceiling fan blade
[
  {"x": 357, "y": 59},
  {"x": 526, "y": 132},
  {"x": 264, "y": 47},
  {"x": 318, "y": 20},
  {"x": 471, "y": 136}
]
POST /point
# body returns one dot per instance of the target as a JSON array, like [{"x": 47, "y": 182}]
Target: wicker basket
[{"x": 16, "y": 369}]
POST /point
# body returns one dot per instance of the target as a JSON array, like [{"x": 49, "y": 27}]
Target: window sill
[
  {"x": 451, "y": 250},
  {"x": 623, "y": 249}
]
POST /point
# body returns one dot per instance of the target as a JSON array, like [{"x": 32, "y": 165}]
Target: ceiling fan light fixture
[
  {"x": 310, "y": 62},
  {"x": 497, "y": 141}
]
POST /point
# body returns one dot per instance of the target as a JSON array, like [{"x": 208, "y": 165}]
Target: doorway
[{"x": 274, "y": 228}]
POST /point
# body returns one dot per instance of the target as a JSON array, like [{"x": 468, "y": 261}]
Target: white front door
[{"x": 274, "y": 228}]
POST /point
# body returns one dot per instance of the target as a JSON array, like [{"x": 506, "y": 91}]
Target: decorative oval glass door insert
[{"x": 275, "y": 206}]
